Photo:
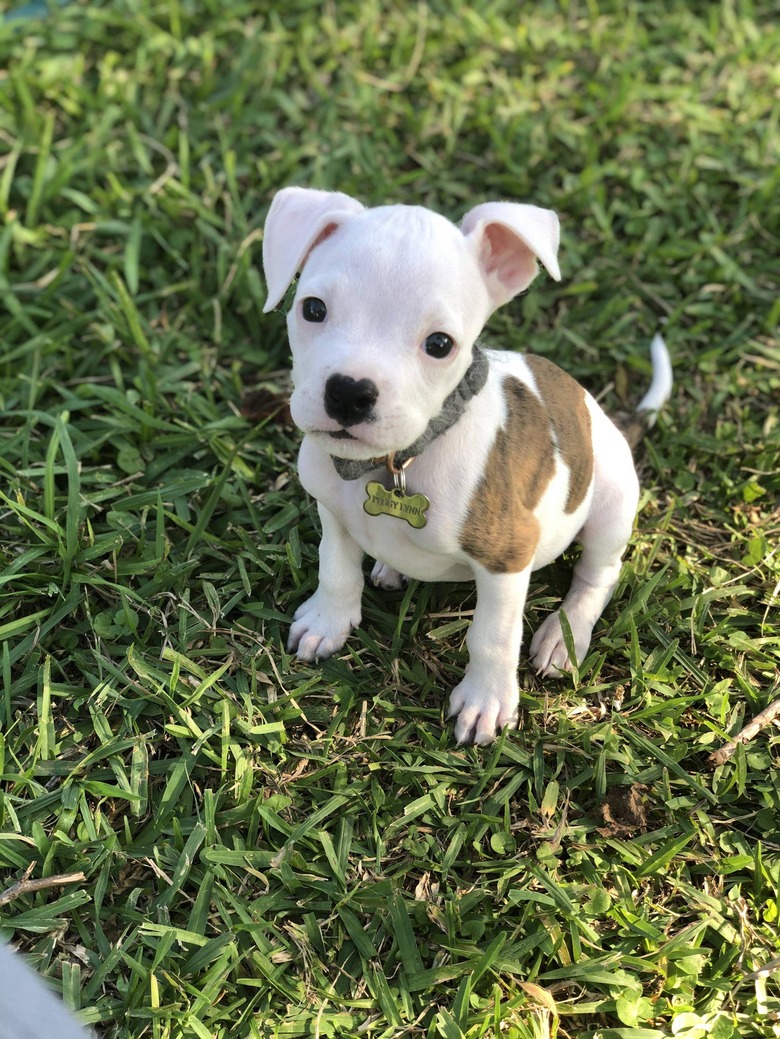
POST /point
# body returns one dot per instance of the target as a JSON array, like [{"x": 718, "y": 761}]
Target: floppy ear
[
  {"x": 508, "y": 239},
  {"x": 299, "y": 219}
]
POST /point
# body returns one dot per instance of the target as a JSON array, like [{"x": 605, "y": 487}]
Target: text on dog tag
[{"x": 383, "y": 502}]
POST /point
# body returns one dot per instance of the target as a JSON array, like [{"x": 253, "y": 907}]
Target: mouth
[{"x": 342, "y": 443}]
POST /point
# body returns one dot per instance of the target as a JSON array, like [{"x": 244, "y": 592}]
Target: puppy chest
[
  {"x": 428, "y": 552},
  {"x": 528, "y": 504}
]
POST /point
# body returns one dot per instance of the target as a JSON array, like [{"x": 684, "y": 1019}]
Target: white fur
[
  {"x": 660, "y": 388},
  {"x": 390, "y": 277}
]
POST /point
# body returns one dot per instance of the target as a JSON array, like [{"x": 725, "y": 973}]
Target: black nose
[{"x": 349, "y": 400}]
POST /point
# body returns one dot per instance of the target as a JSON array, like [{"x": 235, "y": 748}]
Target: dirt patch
[{"x": 623, "y": 811}]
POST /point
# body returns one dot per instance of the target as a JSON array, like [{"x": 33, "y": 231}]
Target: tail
[{"x": 634, "y": 427}]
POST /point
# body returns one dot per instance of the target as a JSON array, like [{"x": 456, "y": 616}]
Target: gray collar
[{"x": 452, "y": 409}]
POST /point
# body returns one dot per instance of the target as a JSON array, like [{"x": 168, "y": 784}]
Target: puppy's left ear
[
  {"x": 298, "y": 220},
  {"x": 509, "y": 238}
]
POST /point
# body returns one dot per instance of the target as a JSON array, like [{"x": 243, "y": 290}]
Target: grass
[{"x": 272, "y": 849}]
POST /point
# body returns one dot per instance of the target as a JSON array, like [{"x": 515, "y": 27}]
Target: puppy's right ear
[{"x": 298, "y": 220}]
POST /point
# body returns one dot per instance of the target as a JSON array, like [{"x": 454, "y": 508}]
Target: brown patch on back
[
  {"x": 500, "y": 530},
  {"x": 564, "y": 400}
]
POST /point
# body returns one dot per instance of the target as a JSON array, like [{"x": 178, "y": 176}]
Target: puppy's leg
[
  {"x": 604, "y": 538},
  {"x": 487, "y": 698},
  {"x": 384, "y": 576},
  {"x": 323, "y": 623}
]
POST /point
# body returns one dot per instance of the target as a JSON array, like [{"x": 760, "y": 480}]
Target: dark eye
[
  {"x": 314, "y": 309},
  {"x": 439, "y": 345}
]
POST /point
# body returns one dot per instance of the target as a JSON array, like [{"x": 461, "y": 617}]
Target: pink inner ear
[
  {"x": 508, "y": 258},
  {"x": 326, "y": 232}
]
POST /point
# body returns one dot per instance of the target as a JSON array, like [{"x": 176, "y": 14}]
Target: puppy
[{"x": 441, "y": 460}]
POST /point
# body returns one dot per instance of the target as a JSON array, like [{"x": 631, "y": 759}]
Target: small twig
[
  {"x": 766, "y": 717},
  {"x": 25, "y": 886}
]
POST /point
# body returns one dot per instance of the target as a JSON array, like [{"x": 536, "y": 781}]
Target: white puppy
[{"x": 441, "y": 460}]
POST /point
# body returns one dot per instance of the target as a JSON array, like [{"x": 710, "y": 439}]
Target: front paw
[
  {"x": 321, "y": 626},
  {"x": 548, "y": 651},
  {"x": 483, "y": 708}
]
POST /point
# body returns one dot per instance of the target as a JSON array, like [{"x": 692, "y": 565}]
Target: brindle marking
[
  {"x": 500, "y": 530},
  {"x": 565, "y": 402}
]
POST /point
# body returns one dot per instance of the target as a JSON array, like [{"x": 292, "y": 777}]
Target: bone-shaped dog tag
[{"x": 394, "y": 502}]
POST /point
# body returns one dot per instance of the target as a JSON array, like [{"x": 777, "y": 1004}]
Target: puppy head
[{"x": 388, "y": 305}]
